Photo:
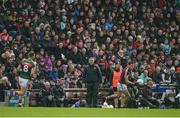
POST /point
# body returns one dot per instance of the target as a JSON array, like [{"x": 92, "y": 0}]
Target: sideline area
[
  {"x": 86, "y": 112},
  {"x": 90, "y": 117}
]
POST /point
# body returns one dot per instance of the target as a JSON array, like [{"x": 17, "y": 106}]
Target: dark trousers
[
  {"x": 60, "y": 103},
  {"x": 47, "y": 103},
  {"x": 149, "y": 103},
  {"x": 92, "y": 93},
  {"x": 132, "y": 103}
]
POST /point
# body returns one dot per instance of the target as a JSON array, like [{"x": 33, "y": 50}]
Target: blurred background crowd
[{"x": 65, "y": 33}]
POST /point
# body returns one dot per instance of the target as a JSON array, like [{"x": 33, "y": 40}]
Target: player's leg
[
  {"x": 116, "y": 100},
  {"x": 123, "y": 99},
  {"x": 22, "y": 92},
  {"x": 23, "y": 88},
  {"x": 124, "y": 95},
  {"x": 115, "y": 97}
]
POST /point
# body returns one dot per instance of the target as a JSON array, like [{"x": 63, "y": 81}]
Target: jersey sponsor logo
[{"x": 26, "y": 64}]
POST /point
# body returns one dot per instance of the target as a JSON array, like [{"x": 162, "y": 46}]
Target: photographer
[
  {"x": 148, "y": 100},
  {"x": 134, "y": 92}
]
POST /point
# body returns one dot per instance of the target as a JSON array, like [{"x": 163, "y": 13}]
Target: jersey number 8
[{"x": 25, "y": 69}]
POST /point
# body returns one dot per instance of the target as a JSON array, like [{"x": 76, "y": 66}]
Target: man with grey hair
[{"x": 92, "y": 78}]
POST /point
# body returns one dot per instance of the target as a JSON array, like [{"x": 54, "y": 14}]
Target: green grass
[{"x": 85, "y": 112}]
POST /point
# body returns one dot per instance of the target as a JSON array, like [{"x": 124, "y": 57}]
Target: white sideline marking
[{"x": 89, "y": 117}]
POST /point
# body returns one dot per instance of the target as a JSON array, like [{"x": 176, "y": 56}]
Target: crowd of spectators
[{"x": 65, "y": 33}]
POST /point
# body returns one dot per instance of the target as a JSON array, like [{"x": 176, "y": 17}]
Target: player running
[{"x": 26, "y": 71}]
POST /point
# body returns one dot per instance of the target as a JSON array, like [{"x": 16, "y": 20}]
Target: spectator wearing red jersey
[{"x": 4, "y": 36}]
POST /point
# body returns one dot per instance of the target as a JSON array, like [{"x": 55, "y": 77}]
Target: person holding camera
[{"x": 148, "y": 100}]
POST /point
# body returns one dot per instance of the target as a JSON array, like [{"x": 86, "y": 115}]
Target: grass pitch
[{"x": 86, "y": 112}]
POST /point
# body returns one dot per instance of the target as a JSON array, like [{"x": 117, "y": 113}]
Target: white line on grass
[{"x": 88, "y": 117}]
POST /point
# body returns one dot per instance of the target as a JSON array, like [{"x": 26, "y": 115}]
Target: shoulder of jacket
[{"x": 96, "y": 65}]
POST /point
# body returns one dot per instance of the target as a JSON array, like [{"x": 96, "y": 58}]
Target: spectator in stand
[
  {"x": 157, "y": 77},
  {"x": 144, "y": 77}
]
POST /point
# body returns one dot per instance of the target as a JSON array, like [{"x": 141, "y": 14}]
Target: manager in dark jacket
[{"x": 93, "y": 78}]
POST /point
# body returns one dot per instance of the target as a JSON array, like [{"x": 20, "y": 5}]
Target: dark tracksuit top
[{"x": 93, "y": 74}]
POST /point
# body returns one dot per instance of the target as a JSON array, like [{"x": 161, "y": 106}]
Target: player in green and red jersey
[{"x": 26, "y": 71}]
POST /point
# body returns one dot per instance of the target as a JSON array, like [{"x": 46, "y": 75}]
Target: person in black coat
[
  {"x": 47, "y": 96},
  {"x": 59, "y": 94},
  {"x": 148, "y": 100},
  {"x": 92, "y": 78}
]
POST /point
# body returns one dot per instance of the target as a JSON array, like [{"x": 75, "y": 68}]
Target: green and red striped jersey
[{"x": 26, "y": 66}]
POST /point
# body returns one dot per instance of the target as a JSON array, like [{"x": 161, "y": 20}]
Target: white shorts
[
  {"x": 122, "y": 87},
  {"x": 23, "y": 82}
]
